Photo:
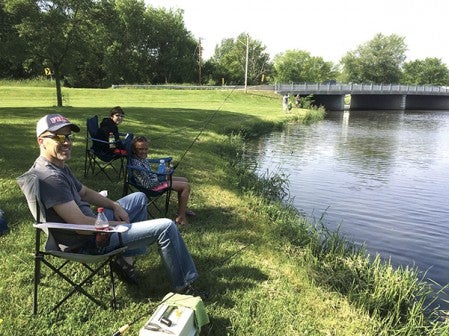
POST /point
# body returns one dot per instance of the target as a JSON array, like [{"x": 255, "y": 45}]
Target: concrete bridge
[{"x": 372, "y": 96}]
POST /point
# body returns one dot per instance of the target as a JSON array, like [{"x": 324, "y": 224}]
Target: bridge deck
[{"x": 394, "y": 89}]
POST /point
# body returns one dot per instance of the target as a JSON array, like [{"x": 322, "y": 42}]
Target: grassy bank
[{"x": 269, "y": 272}]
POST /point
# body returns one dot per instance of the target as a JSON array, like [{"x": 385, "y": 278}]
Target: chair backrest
[
  {"x": 29, "y": 184},
  {"x": 97, "y": 144},
  {"x": 92, "y": 126}
]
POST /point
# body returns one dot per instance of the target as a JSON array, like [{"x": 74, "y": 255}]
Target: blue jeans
[
  {"x": 3, "y": 223},
  {"x": 163, "y": 231}
]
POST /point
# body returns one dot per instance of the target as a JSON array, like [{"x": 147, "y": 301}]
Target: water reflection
[{"x": 379, "y": 175}]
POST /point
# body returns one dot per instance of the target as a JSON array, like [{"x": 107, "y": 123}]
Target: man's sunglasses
[{"x": 61, "y": 138}]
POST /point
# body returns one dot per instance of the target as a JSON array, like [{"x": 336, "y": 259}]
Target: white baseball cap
[{"x": 53, "y": 122}]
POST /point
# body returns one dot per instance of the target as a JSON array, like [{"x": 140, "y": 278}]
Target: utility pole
[
  {"x": 199, "y": 60},
  {"x": 246, "y": 63}
]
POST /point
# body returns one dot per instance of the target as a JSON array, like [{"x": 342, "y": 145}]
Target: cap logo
[
  {"x": 58, "y": 119},
  {"x": 54, "y": 122}
]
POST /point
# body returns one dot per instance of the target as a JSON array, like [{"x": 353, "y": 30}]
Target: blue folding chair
[{"x": 154, "y": 195}]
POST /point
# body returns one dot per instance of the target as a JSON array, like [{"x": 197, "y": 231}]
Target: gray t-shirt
[{"x": 58, "y": 186}]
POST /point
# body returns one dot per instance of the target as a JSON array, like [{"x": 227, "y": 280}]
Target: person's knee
[
  {"x": 184, "y": 190},
  {"x": 141, "y": 198},
  {"x": 169, "y": 232}
]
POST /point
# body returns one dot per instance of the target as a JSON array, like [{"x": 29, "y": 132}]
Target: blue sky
[{"x": 326, "y": 28}]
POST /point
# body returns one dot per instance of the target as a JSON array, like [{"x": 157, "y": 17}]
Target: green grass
[{"x": 269, "y": 271}]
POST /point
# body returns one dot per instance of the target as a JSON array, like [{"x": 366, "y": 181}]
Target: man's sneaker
[
  {"x": 125, "y": 271},
  {"x": 190, "y": 290}
]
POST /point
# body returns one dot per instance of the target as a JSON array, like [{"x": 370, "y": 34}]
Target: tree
[
  {"x": 12, "y": 48},
  {"x": 126, "y": 59},
  {"x": 377, "y": 61},
  {"x": 175, "y": 48},
  {"x": 229, "y": 61},
  {"x": 138, "y": 44},
  {"x": 428, "y": 71},
  {"x": 51, "y": 31},
  {"x": 300, "y": 66},
  {"x": 96, "y": 43}
]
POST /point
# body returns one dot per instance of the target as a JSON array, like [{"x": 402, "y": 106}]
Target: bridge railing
[{"x": 319, "y": 88}]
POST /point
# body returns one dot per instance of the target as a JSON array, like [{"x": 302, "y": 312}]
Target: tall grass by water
[{"x": 269, "y": 270}]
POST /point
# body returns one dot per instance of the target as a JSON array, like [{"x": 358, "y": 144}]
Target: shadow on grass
[{"x": 172, "y": 131}]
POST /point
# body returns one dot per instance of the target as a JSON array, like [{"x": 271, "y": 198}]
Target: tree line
[{"x": 97, "y": 43}]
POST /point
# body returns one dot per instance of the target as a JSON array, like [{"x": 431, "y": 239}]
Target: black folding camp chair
[
  {"x": 95, "y": 159},
  {"x": 59, "y": 261}
]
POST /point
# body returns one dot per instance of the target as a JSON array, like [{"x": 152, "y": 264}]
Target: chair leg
[
  {"x": 101, "y": 169},
  {"x": 122, "y": 168},
  {"x": 77, "y": 287},
  {"x": 89, "y": 164},
  {"x": 111, "y": 275},
  {"x": 85, "y": 164},
  {"x": 37, "y": 275},
  {"x": 167, "y": 202}
]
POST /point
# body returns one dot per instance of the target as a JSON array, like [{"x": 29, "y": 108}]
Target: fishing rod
[{"x": 206, "y": 123}]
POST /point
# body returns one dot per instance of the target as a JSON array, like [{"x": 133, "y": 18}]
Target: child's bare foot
[{"x": 181, "y": 221}]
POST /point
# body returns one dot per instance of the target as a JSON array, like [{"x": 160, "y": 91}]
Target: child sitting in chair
[
  {"x": 150, "y": 180},
  {"x": 109, "y": 126}
]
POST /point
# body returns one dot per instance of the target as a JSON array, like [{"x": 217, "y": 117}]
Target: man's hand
[{"x": 120, "y": 214}]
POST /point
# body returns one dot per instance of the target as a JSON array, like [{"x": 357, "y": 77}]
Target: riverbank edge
[{"x": 396, "y": 299}]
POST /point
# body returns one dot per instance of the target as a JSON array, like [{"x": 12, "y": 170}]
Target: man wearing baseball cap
[{"x": 67, "y": 200}]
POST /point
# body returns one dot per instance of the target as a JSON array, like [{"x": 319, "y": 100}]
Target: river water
[{"x": 381, "y": 177}]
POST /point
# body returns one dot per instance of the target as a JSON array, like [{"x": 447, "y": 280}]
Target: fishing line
[{"x": 206, "y": 123}]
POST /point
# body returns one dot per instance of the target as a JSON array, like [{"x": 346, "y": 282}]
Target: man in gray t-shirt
[{"x": 67, "y": 200}]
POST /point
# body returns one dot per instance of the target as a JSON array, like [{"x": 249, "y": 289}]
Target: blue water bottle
[{"x": 161, "y": 167}]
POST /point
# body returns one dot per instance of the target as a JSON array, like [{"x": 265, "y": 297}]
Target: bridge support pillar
[
  {"x": 377, "y": 102},
  {"x": 332, "y": 102},
  {"x": 421, "y": 102}
]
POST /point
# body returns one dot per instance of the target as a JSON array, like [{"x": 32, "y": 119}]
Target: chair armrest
[
  {"x": 157, "y": 160},
  {"x": 98, "y": 140},
  {"x": 167, "y": 159},
  {"x": 78, "y": 227},
  {"x": 131, "y": 168}
]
